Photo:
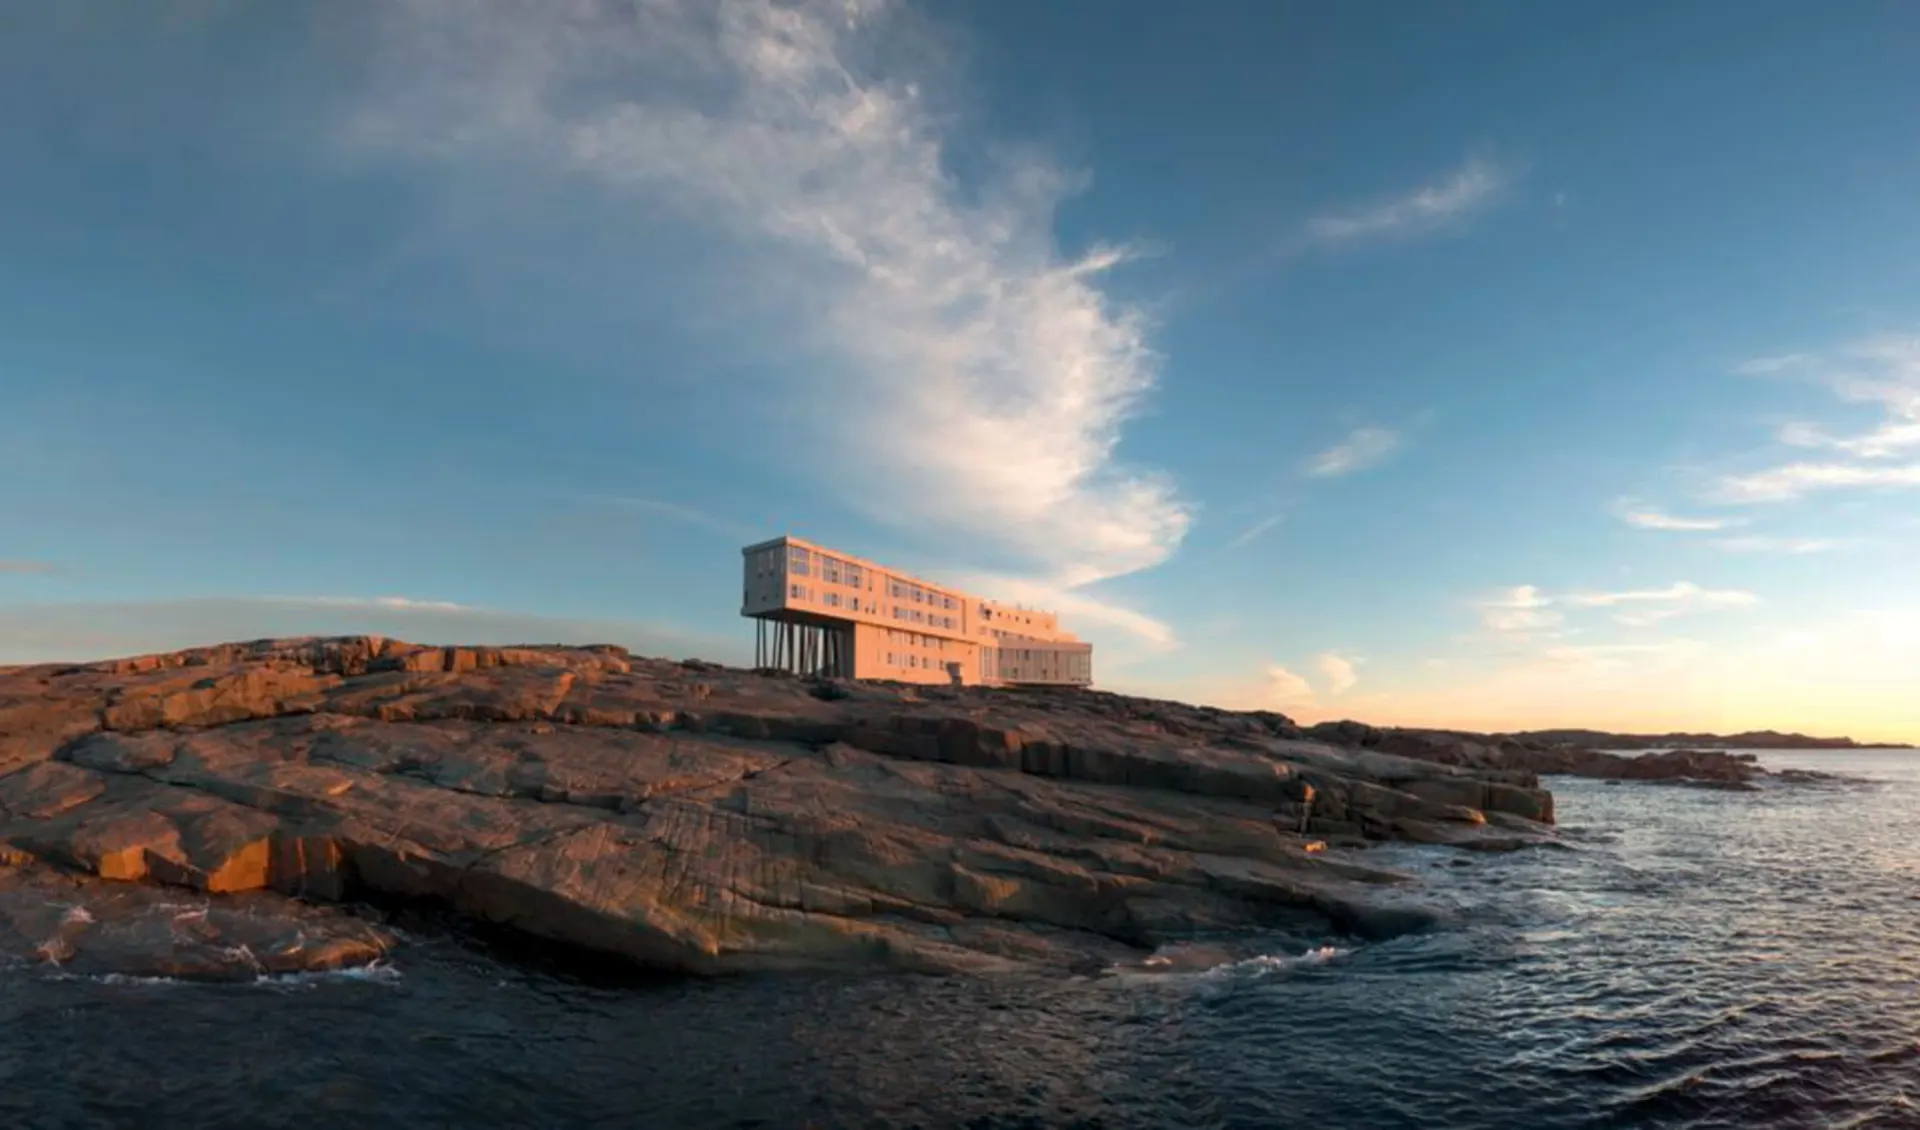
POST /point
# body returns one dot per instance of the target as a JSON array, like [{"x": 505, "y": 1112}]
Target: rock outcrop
[
  {"x": 1483, "y": 752},
  {"x": 697, "y": 818},
  {"x": 91, "y": 927}
]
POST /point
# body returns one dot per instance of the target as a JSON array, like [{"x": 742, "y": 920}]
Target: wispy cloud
[
  {"x": 1789, "y": 546},
  {"x": 388, "y": 603},
  {"x": 1338, "y": 671},
  {"x": 1521, "y": 611},
  {"x": 1882, "y": 373},
  {"x": 1647, "y": 607},
  {"x": 1254, "y": 532},
  {"x": 1445, "y": 201},
  {"x": 1363, "y": 448},
  {"x": 1526, "y": 613},
  {"x": 1653, "y": 518},
  {"x": 1796, "y": 480},
  {"x": 1770, "y": 366},
  {"x": 28, "y": 568},
  {"x": 1680, "y": 592},
  {"x": 946, "y": 307},
  {"x": 692, "y": 516}
]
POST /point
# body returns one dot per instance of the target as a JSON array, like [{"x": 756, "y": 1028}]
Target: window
[
  {"x": 799, "y": 592},
  {"x": 853, "y": 575},
  {"x": 830, "y": 570},
  {"x": 798, "y": 561}
]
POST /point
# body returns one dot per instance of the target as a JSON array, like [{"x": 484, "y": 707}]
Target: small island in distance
[{"x": 1754, "y": 739}]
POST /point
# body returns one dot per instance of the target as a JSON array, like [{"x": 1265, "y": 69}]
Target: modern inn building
[{"x": 819, "y": 611}]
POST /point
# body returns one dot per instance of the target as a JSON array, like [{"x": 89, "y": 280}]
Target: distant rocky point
[
  {"x": 1755, "y": 739},
  {"x": 697, "y": 818}
]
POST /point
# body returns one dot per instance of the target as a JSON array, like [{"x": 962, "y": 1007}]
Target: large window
[{"x": 799, "y": 561}]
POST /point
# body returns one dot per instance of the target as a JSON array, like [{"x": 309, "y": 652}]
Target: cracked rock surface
[{"x": 703, "y": 819}]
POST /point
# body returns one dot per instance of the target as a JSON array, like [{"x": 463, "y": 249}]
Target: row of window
[
  {"x": 912, "y": 660},
  {"x": 830, "y": 569},
  {"x": 907, "y": 590},
  {"x": 931, "y": 619}
]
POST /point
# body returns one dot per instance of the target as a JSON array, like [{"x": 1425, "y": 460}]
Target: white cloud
[
  {"x": 1681, "y": 594},
  {"x": 1363, "y": 448},
  {"x": 979, "y": 377},
  {"x": 1339, "y": 672},
  {"x": 1520, "y": 611},
  {"x": 1881, "y": 372},
  {"x": 1653, "y": 518},
  {"x": 1790, "y": 546},
  {"x": 1452, "y": 198},
  {"x": 1285, "y": 688}
]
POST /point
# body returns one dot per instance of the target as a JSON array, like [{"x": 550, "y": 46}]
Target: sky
[{"x": 1487, "y": 365}]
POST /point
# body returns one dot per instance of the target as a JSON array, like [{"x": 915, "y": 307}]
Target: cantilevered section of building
[{"x": 822, "y": 612}]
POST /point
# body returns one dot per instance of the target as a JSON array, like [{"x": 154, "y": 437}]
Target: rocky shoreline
[{"x": 204, "y": 813}]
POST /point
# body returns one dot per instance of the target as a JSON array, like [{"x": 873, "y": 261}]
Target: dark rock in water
[
  {"x": 696, "y": 818},
  {"x": 95, "y": 927}
]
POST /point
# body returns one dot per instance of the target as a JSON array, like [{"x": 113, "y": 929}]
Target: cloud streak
[
  {"x": 1521, "y": 611},
  {"x": 1653, "y": 518},
  {"x": 687, "y": 514},
  {"x": 1362, "y": 449},
  {"x": 1795, "y": 547},
  {"x": 1256, "y": 531},
  {"x": 20, "y": 568},
  {"x": 979, "y": 374},
  {"x": 1881, "y": 373},
  {"x": 1446, "y": 201},
  {"x": 1680, "y": 593}
]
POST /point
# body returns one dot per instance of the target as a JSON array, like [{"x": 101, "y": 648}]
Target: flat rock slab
[{"x": 696, "y": 818}]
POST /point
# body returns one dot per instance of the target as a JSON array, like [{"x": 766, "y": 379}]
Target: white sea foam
[
  {"x": 379, "y": 972},
  {"x": 1268, "y": 964}
]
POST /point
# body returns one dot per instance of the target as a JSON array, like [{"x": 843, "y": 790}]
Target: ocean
[{"x": 1695, "y": 959}]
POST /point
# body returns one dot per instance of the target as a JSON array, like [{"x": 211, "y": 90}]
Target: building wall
[{"x": 907, "y": 629}]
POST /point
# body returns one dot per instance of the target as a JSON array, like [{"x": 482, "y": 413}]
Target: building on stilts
[{"x": 820, "y": 612}]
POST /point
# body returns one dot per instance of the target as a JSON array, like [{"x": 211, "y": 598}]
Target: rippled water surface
[{"x": 1701, "y": 959}]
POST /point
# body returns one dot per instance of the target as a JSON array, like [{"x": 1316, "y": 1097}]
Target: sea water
[{"x": 1697, "y": 958}]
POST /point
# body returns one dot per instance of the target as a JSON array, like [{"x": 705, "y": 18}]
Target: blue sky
[{"x": 1488, "y": 365}]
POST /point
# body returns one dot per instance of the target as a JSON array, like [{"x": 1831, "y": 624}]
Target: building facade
[{"x": 820, "y": 611}]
